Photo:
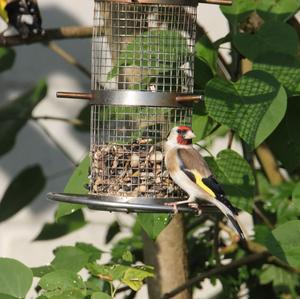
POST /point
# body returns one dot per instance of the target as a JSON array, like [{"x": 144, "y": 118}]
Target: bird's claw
[
  {"x": 174, "y": 205},
  {"x": 195, "y": 206}
]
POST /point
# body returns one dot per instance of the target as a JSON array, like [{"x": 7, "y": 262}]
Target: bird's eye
[{"x": 179, "y": 131}]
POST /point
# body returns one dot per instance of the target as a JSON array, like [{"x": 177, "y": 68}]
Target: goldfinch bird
[{"x": 191, "y": 173}]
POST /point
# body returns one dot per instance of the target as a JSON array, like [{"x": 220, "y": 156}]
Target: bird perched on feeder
[
  {"x": 191, "y": 173},
  {"x": 23, "y": 15}
]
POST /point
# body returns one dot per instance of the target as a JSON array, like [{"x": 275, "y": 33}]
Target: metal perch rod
[{"x": 74, "y": 95}]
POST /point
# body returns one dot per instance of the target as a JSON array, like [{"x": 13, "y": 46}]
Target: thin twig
[
  {"x": 67, "y": 57},
  {"x": 61, "y": 148},
  {"x": 69, "y": 32},
  {"x": 216, "y": 243},
  {"x": 230, "y": 139},
  {"x": 74, "y": 121},
  {"x": 263, "y": 217}
]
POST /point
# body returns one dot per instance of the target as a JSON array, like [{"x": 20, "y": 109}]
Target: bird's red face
[{"x": 185, "y": 135}]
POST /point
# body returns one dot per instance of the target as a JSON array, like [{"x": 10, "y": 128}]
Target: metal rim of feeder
[
  {"x": 171, "y": 2},
  {"x": 127, "y": 205},
  {"x": 163, "y": 2},
  {"x": 138, "y": 98}
]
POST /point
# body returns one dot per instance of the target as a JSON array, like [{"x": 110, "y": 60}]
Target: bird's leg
[
  {"x": 195, "y": 206},
  {"x": 174, "y": 204}
]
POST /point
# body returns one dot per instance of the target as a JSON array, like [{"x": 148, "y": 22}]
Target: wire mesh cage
[
  {"x": 127, "y": 150},
  {"x": 146, "y": 47},
  {"x": 142, "y": 58}
]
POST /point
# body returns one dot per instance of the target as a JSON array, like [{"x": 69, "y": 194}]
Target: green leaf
[
  {"x": 132, "y": 244},
  {"x": 288, "y": 151},
  {"x": 75, "y": 185},
  {"x": 280, "y": 278},
  {"x": 268, "y": 39},
  {"x": 7, "y": 58},
  {"x": 127, "y": 256},
  {"x": 278, "y": 202},
  {"x": 70, "y": 258},
  {"x": 285, "y": 68},
  {"x": 205, "y": 50},
  {"x": 153, "y": 223},
  {"x": 202, "y": 122},
  {"x": 94, "y": 284},
  {"x": 60, "y": 294},
  {"x": 296, "y": 196},
  {"x": 277, "y": 9},
  {"x": 253, "y": 106},
  {"x": 238, "y": 11},
  {"x": 284, "y": 242},
  {"x": 236, "y": 177},
  {"x": 94, "y": 252},
  {"x": 62, "y": 280},
  {"x": 113, "y": 230},
  {"x": 22, "y": 191},
  {"x": 65, "y": 225},
  {"x": 108, "y": 272},
  {"x": 100, "y": 295},
  {"x": 15, "y": 278},
  {"x": 4, "y": 296},
  {"x": 15, "y": 114},
  {"x": 41, "y": 271},
  {"x": 202, "y": 74},
  {"x": 133, "y": 277},
  {"x": 157, "y": 50}
]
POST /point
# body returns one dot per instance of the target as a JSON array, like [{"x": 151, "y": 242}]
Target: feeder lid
[
  {"x": 171, "y": 2},
  {"x": 129, "y": 204}
]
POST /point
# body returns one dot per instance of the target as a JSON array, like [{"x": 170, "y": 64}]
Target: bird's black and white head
[{"x": 181, "y": 135}]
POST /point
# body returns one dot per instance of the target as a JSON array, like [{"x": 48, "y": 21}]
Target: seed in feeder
[
  {"x": 142, "y": 188},
  {"x": 115, "y": 163},
  {"x": 157, "y": 156},
  {"x": 135, "y": 161}
]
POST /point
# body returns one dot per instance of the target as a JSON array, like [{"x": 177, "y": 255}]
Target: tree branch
[
  {"x": 250, "y": 259},
  {"x": 269, "y": 164},
  {"x": 69, "y": 32}
]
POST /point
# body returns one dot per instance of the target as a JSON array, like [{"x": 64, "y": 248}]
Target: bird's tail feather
[{"x": 232, "y": 218}]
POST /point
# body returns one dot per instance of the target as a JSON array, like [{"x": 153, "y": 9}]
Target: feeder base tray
[{"x": 128, "y": 204}]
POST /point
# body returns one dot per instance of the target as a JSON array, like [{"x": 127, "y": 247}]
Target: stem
[
  {"x": 67, "y": 57},
  {"x": 230, "y": 139},
  {"x": 74, "y": 122},
  {"x": 66, "y": 154},
  {"x": 216, "y": 243},
  {"x": 263, "y": 217},
  {"x": 269, "y": 164},
  {"x": 69, "y": 32}
]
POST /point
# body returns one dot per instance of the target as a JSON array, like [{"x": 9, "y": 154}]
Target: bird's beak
[{"x": 189, "y": 135}]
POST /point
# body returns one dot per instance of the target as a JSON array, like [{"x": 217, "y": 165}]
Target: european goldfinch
[{"x": 191, "y": 173}]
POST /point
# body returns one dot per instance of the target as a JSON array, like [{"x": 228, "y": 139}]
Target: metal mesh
[
  {"x": 127, "y": 150},
  {"x": 143, "y": 47}
]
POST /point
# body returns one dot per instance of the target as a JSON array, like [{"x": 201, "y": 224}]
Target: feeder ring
[
  {"x": 137, "y": 98},
  {"x": 128, "y": 204}
]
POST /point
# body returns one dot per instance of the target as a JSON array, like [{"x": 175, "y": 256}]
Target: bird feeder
[{"x": 141, "y": 87}]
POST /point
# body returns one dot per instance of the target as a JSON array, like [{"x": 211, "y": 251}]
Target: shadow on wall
[{"x": 33, "y": 146}]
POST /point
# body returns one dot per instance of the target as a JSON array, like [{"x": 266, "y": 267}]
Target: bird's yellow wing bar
[
  {"x": 3, "y": 13},
  {"x": 201, "y": 184}
]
